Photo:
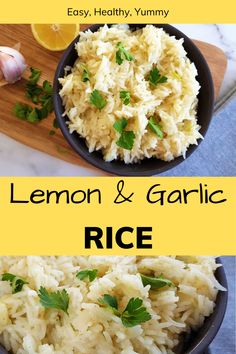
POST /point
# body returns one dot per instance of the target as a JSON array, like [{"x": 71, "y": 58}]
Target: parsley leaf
[
  {"x": 35, "y": 76},
  {"x": 55, "y": 124},
  {"x": 156, "y": 78},
  {"x": 126, "y": 140},
  {"x": 155, "y": 127},
  {"x": 16, "y": 282},
  {"x": 135, "y": 313},
  {"x": 125, "y": 96},
  {"x": 156, "y": 282},
  {"x": 87, "y": 273},
  {"x": 120, "y": 125},
  {"x": 33, "y": 91},
  {"x": 41, "y": 96},
  {"x": 111, "y": 303},
  {"x": 33, "y": 116},
  {"x": 47, "y": 87},
  {"x": 97, "y": 100},
  {"x": 57, "y": 300},
  {"x": 22, "y": 110},
  {"x": 46, "y": 97},
  {"x": 42, "y": 112},
  {"x": 85, "y": 74},
  {"x": 122, "y": 54}
]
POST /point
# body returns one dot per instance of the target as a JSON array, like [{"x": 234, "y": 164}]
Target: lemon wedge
[{"x": 55, "y": 37}]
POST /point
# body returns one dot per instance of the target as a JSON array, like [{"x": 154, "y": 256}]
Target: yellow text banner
[
  {"x": 122, "y": 11},
  {"x": 126, "y": 216}
]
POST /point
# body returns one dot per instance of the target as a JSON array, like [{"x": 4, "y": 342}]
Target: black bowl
[
  {"x": 147, "y": 167},
  {"x": 198, "y": 342}
]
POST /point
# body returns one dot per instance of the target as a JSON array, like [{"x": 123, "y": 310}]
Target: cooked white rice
[
  {"x": 173, "y": 104},
  {"x": 26, "y": 327}
]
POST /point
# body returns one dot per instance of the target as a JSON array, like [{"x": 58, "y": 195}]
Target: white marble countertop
[{"x": 19, "y": 160}]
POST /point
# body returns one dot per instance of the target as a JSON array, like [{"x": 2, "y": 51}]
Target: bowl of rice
[
  {"x": 98, "y": 304},
  {"x": 133, "y": 100}
]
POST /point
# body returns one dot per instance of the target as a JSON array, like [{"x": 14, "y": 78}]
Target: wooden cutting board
[{"x": 37, "y": 135}]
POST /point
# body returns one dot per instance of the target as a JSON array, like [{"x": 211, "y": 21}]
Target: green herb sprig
[
  {"x": 85, "y": 74},
  {"x": 57, "y": 300},
  {"x": 111, "y": 303},
  {"x": 156, "y": 282},
  {"x": 33, "y": 91},
  {"x": 155, "y": 127},
  {"x": 91, "y": 274},
  {"x": 134, "y": 313},
  {"x": 40, "y": 96},
  {"x": 97, "y": 100},
  {"x": 156, "y": 78},
  {"x": 126, "y": 139},
  {"x": 120, "y": 125},
  {"x": 125, "y": 96},
  {"x": 16, "y": 282},
  {"x": 122, "y": 54}
]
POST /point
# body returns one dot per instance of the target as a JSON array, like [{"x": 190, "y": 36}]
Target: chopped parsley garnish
[
  {"x": 125, "y": 96},
  {"x": 33, "y": 91},
  {"x": 91, "y": 274},
  {"x": 156, "y": 282},
  {"x": 46, "y": 97},
  {"x": 16, "y": 282},
  {"x": 22, "y": 110},
  {"x": 156, "y": 78},
  {"x": 85, "y": 74},
  {"x": 133, "y": 314},
  {"x": 57, "y": 300},
  {"x": 155, "y": 127},
  {"x": 34, "y": 116},
  {"x": 35, "y": 76},
  {"x": 97, "y": 100},
  {"x": 120, "y": 125},
  {"x": 40, "y": 96},
  {"x": 122, "y": 54},
  {"x": 126, "y": 139},
  {"x": 111, "y": 303}
]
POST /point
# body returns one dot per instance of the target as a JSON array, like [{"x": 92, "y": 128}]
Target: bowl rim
[{"x": 123, "y": 169}]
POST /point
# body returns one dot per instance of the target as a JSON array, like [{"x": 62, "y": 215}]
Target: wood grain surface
[{"x": 37, "y": 135}]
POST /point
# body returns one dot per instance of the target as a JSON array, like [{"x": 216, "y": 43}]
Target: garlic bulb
[{"x": 12, "y": 64}]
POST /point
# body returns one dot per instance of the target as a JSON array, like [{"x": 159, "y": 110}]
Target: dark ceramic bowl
[
  {"x": 147, "y": 167},
  {"x": 198, "y": 342}
]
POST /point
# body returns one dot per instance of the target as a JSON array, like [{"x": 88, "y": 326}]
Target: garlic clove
[
  {"x": 12, "y": 64},
  {"x": 1, "y": 76},
  {"x": 2, "y": 80}
]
